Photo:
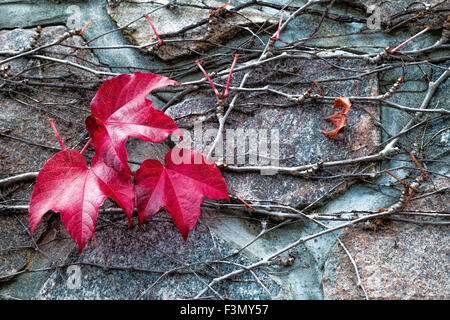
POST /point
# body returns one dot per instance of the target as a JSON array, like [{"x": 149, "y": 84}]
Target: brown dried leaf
[
  {"x": 338, "y": 119},
  {"x": 343, "y": 102}
]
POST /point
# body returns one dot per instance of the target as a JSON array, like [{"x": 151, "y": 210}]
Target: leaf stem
[
  {"x": 243, "y": 201},
  {"x": 220, "y": 8},
  {"x": 154, "y": 30},
  {"x": 406, "y": 184},
  {"x": 85, "y": 27},
  {"x": 407, "y": 200},
  {"x": 207, "y": 77},
  {"x": 425, "y": 175},
  {"x": 225, "y": 94},
  {"x": 277, "y": 37},
  {"x": 317, "y": 85},
  {"x": 412, "y": 38},
  {"x": 57, "y": 134},
  {"x": 86, "y": 145},
  {"x": 94, "y": 239}
]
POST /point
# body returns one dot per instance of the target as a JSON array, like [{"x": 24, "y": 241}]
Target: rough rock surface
[
  {"x": 26, "y": 110},
  {"x": 151, "y": 250},
  {"x": 301, "y": 140},
  {"x": 24, "y": 119},
  {"x": 408, "y": 263},
  {"x": 25, "y": 115},
  {"x": 134, "y": 248},
  {"x": 394, "y": 13},
  {"x": 210, "y": 32}
]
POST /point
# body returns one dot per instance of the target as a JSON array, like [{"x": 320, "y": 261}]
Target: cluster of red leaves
[
  {"x": 120, "y": 110},
  {"x": 338, "y": 119}
]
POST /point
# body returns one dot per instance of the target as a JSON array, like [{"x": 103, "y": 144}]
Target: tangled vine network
[{"x": 73, "y": 74}]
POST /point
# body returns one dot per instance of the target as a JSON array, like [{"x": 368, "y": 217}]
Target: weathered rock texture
[
  {"x": 301, "y": 140},
  {"x": 27, "y": 108},
  {"x": 151, "y": 250},
  {"x": 408, "y": 263},
  {"x": 406, "y": 13},
  {"x": 412, "y": 263},
  {"x": 184, "y": 22},
  {"x": 155, "y": 247},
  {"x": 26, "y": 139}
]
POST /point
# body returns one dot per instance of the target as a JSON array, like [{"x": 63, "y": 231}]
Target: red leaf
[
  {"x": 66, "y": 185},
  {"x": 120, "y": 110},
  {"x": 179, "y": 187}
]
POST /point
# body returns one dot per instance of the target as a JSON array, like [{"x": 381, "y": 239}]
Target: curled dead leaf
[
  {"x": 342, "y": 102},
  {"x": 338, "y": 119}
]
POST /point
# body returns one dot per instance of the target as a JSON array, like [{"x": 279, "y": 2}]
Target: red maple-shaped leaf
[
  {"x": 66, "y": 185},
  {"x": 120, "y": 110},
  {"x": 179, "y": 187}
]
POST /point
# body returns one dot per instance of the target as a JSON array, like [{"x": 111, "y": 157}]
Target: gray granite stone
[
  {"x": 406, "y": 13},
  {"x": 301, "y": 140},
  {"x": 151, "y": 250},
  {"x": 26, "y": 109},
  {"x": 398, "y": 261},
  {"x": 173, "y": 20},
  {"x": 157, "y": 245},
  {"x": 27, "y": 142}
]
